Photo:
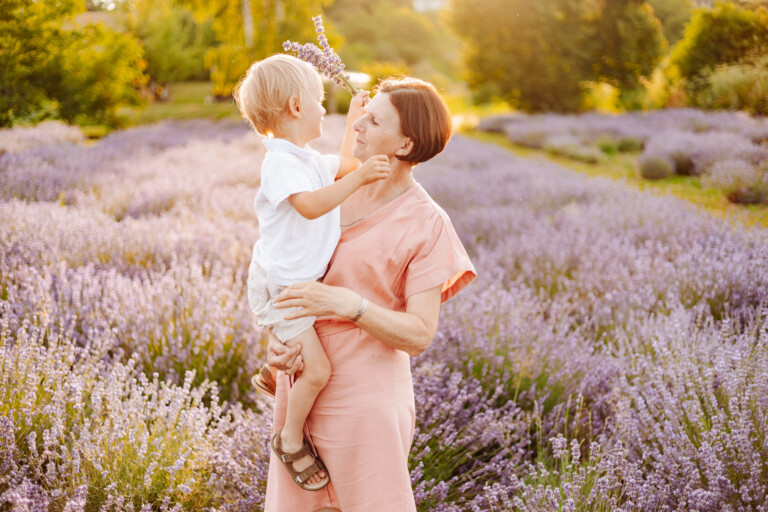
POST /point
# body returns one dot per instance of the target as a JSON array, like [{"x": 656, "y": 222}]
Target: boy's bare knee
[{"x": 317, "y": 375}]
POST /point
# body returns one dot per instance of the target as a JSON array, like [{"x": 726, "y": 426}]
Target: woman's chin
[{"x": 358, "y": 152}]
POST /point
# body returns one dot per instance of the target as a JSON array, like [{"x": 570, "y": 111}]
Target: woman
[{"x": 397, "y": 260}]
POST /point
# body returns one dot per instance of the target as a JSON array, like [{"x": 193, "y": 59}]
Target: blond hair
[{"x": 262, "y": 94}]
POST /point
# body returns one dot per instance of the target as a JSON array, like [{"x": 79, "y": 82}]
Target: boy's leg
[{"x": 302, "y": 395}]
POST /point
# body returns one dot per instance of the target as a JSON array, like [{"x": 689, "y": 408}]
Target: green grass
[
  {"x": 621, "y": 167},
  {"x": 187, "y": 100}
]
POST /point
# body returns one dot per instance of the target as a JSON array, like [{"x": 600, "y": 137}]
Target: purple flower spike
[{"x": 323, "y": 58}]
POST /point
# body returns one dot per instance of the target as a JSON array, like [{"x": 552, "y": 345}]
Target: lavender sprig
[{"x": 322, "y": 58}]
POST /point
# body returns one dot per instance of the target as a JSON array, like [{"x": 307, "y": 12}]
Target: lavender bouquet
[{"x": 323, "y": 59}]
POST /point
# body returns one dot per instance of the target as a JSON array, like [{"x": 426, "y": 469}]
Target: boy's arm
[
  {"x": 312, "y": 205},
  {"x": 347, "y": 162}
]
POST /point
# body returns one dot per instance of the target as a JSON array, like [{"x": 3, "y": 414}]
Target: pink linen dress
[{"x": 362, "y": 423}]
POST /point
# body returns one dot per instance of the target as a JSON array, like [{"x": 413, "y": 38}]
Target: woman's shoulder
[{"x": 426, "y": 210}]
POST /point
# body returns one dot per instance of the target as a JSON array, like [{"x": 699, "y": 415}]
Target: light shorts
[{"x": 261, "y": 297}]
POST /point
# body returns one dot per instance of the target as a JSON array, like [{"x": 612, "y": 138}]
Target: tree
[
  {"x": 724, "y": 34},
  {"x": 537, "y": 55},
  {"x": 531, "y": 54},
  {"x": 628, "y": 42},
  {"x": 97, "y": 72},
  {"x": 28, "y": 31},
  {"x": 45, "y": 57},
  {"x": 273, "y": 21},
  {"x": 174, "y": 41},
  {"x": 384, "y": 31},
  {"x": 674, "y": 16}
]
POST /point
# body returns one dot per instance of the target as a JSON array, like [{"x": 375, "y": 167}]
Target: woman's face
[{"x": 378, "y": 131}]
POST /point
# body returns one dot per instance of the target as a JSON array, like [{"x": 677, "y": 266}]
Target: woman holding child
[{"x": 397, "y": 259}]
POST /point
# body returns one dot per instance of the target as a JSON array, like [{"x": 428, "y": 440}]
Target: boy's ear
[{"x": 294, "y": 108}]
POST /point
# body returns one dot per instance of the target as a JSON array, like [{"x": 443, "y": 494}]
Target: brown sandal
[
  {"x": 264, "y": 381},
  {"x": 300, "y": 477}
]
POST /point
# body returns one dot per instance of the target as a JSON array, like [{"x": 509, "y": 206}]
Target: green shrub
[
  {"x": 607, "y": 145},
  {"x": 100, "y": 71},
  {"x": 742, "y": 86},
  {"x": 52, "y": 67},
  {"x": 588, "y": 154},
  {"x": 653, "y": 167},
  {"x": 629, "y": 145}
]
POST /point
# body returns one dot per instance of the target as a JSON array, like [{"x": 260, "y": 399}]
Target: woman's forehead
[{"x": 381, "y": 106}]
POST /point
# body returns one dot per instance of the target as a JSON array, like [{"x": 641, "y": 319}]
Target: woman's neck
[
  {"x": 399, "y": 180},
  {"x": 373, "y": 196}
]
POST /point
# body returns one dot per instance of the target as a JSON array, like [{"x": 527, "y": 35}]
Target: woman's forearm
[{"x": 410, "y": 331}]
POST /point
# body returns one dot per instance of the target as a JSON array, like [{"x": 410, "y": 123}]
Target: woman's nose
[{"x": 357, "y": 125}]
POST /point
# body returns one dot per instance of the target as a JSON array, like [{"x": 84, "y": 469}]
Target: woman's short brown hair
[{"x": 424, "y": 116}]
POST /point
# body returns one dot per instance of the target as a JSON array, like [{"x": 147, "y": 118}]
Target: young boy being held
[{"x": 297, "y": 207}]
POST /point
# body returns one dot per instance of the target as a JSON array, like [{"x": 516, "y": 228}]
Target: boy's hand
[
  {"x": 374, "y": 169},
  {"x": 281, "y": 357},
  {"x": 357, "y": 105}
]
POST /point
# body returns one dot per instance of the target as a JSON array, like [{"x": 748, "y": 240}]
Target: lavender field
[
  {"x": 612, "y": 354},
  {"x": 728, "y": 150}
]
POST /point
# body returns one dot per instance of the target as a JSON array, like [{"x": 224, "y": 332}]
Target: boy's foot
[
  {"x": 304, "y": 468},
  {"x": 264, "y": 381}
]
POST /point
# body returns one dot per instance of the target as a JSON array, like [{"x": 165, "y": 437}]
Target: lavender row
[
  {"x": 535, "y": 129},
  {"x": 48, "y": 133},
  {"x": 727, "y": 148}
]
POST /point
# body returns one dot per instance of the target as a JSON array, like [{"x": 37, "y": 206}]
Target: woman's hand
[
  {"x": 283, "y": 358},
  {"x": 318, "y": 299}
]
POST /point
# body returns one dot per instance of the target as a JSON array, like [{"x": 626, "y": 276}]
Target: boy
[{"x": 297, "y": 207}]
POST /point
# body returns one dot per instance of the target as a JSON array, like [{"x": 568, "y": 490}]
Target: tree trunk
[{"x": 247, "y": 23}]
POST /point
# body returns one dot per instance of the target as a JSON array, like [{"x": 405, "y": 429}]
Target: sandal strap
[
  {"x": 292, "y": 457},
  {"x": 311, "y": 470}
]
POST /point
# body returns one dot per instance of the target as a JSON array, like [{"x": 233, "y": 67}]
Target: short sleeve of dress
[{"x": 439, "y": 259}]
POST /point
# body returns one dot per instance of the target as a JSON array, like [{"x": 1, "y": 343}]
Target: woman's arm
[
  {"x": 347, "y": 162},
  {"x": 410, "y": 331}
]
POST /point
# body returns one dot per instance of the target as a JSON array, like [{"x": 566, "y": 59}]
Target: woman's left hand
[{"x": 318, "y": 299}]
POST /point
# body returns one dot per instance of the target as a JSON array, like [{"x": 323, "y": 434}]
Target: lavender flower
[{"x": 322, "y": 58}]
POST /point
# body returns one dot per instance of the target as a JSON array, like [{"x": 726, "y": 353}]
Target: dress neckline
[{"x": 361, "y": 225}]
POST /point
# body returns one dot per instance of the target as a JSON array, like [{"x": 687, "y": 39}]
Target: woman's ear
[
  {"x": 294, "y": 106},
  {"x": 405, "y": 148}
]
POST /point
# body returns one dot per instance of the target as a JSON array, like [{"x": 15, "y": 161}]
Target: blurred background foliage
[{"x": 99, "y": 61}]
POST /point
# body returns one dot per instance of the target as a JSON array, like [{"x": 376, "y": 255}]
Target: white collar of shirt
[{"x": 288, "y": 147}]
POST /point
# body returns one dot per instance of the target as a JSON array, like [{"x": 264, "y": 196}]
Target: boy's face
[{"x": 312, "y": 113}]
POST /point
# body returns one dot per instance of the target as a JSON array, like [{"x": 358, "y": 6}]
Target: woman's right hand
[{"x": 281, "y": 357}]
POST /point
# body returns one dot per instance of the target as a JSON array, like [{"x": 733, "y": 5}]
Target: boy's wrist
[{"x": 357, "y": 177}]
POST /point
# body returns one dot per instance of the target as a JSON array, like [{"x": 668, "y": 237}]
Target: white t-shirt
[{"x": 292, "y": 248}]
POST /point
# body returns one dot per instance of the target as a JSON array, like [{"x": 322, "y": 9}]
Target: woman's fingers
[{"x": 292, "y": 292}]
